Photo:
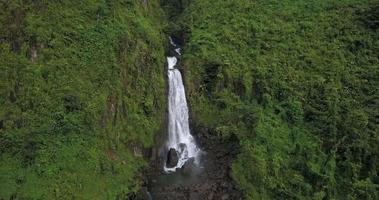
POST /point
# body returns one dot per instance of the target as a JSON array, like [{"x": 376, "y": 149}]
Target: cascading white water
[{"x": 179, "y": 136}]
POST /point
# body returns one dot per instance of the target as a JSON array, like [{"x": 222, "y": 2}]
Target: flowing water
[
  {"x": 206, "y": 180},
  {"x": 179, "y": 136}
]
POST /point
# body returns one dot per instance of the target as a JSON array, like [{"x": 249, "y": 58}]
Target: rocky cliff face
[
  {"x": 210, "y": 179},
  {"x": 213, "y": 181}
]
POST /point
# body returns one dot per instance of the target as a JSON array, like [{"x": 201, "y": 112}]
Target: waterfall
[{"x": 179, "y": 136}]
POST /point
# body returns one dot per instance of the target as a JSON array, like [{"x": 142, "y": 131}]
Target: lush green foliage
[
  {"x": 81, "y": 93},
  {"x": 297, "y": 83}
]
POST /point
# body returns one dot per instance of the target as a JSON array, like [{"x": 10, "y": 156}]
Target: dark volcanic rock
[
  {"x": 188, "y": 166},
  {"x": 225, "y": 197},
  {"x": 194, "y": 196},
  {"x": 172, "y": 158},
  {"x": 212, "y": 180}
]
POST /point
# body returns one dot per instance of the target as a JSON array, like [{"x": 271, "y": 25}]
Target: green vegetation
[
  {"x": 81, "y": 94},
  {"x": 297, "y": 83}
]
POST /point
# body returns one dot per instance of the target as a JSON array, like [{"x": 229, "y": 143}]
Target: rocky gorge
[
  {"x": 209, "y": 179},
  {"x": 213, "y": 181}
]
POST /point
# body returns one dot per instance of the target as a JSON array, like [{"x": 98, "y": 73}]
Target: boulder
[
  {"x": 172, "y": 158},
  {"x": 225, "y": 197},
  {"x": 187, "y": 168}
]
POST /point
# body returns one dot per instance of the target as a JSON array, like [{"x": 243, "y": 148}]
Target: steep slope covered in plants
[
  {"x": 81, "y": 96},
  {"x": 293, "y": 83},
  {"x": 297, "y": 83}
]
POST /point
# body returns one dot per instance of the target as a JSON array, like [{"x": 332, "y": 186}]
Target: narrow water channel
[{"x": 180, "y": 141}]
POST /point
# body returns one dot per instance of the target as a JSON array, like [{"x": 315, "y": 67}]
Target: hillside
[
  {"x": 297, "y": 83},
  {"x": 77, "y": 103},
  {"x": 283, "y": 98}
]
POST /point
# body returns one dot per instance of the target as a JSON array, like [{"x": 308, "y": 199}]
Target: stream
[
  {"x": 183, "y": 170},
  {"x": 180, "y": 140}
]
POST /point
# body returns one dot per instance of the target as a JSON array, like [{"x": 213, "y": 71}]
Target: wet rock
[
  {"x": 206, "y": 186},
  {"x": 211, "y": 181},
  {"x": 172, "y": 158},
  {"x": 153, "y": 154},
  {"x": 225, "y": 197},
  {"x": 210, "y": 196},
  {"x": 194, "y": 196},
  {"x": 188, "y": 166}
]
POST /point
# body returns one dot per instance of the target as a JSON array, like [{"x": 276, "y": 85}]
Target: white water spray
[{"x": 179, "y": 136}]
